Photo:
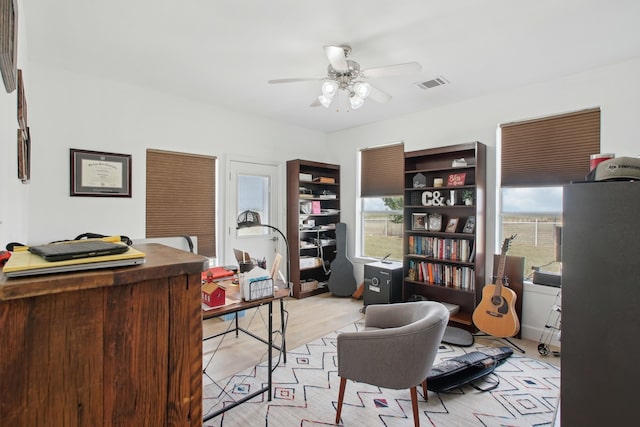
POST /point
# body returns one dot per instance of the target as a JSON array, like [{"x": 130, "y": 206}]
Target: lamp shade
[
  {"x": 325, "y": 101},
  {"x": 248, "y": 218},
  {"x": 356, "y": 101},
  {"x": 362, "y": 89},
  {"x": 329, "y": 88}
]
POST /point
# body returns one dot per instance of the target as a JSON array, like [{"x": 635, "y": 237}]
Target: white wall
[
  {"x": 13, "y": 194},
  {"x": 69, "y": 110},
  {"x": 615, "y": 89}
]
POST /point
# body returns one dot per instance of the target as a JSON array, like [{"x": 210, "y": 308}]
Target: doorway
[{"x": 253, "y": 186}]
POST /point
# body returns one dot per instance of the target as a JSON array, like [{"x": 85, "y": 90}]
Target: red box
[
  {"x": 212, "y": 294},
  {"x": 215, "y": 273}
]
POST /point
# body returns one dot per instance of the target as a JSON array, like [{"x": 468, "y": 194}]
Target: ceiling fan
[{"x": 345, "y": 74}]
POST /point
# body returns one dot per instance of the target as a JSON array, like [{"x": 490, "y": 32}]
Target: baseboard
[{"x": 534, "y": 334}]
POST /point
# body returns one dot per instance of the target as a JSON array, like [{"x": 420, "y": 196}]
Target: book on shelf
[
  {"x": 445, "y": 275},
  {"x": 442, "y": 248},
  {"x": 324, "y": 179}
]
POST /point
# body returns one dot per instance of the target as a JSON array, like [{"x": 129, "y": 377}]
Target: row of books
[
  {"x": 446, "y": 249},
  {"x": 448, "y": 275}
]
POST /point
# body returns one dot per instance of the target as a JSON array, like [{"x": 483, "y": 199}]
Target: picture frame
[
  {"x": 99, "y": 174},
  {"x": 8, "y": 43},
  {"x": 470, "y": 225},
  {"x": 435, "y": 222},
  {"x": 452, "y": 225},
  {"x": 24, "y": 156},
  {"x": 419, "y": 221},
  {"x": 22, "y": 102}
]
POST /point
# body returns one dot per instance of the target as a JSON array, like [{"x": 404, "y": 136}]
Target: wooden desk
[
  {"x": 117, "y": 346},
  {"x": 233, "y": 292}
]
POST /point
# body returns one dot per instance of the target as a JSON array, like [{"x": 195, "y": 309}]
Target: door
[{"x": 254, "y": 187}]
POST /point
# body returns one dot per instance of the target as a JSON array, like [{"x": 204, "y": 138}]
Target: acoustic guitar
[
  {"x": 341, "y": 282},
  {"x": 496, "y": 313}
]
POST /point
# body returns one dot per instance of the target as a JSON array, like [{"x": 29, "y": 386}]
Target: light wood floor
[{"x": 308, "y": 319}]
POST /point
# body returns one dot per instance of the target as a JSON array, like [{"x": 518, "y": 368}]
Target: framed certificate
[{"x": 96, "y": 173}]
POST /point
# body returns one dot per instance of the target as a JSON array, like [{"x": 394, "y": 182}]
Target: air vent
[{"x": 435, "y": 82}]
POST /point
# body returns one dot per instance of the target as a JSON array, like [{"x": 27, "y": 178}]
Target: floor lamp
[{"x": 248, "y": 219}]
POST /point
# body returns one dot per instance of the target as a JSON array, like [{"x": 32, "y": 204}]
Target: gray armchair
[{"x": 395, "y": 350}]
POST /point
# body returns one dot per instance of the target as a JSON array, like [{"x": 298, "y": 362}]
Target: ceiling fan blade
[
  {"x": 309, "y": 79},
  {"x": 378, "y": 95},
  {"x": 315, "y": 103},
  {"x": 392, "y": 70},
  {"x": 337, "y": 58}
]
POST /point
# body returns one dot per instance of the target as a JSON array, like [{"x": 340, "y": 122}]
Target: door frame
[{"x": 276, "y": 199}]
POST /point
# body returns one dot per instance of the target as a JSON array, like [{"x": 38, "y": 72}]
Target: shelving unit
[
  {"x": 443, "y": 264},
  {"x": 313, "y": 210}
]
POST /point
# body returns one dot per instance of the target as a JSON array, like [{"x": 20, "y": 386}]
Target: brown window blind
[
  {"x": 181, "y": 197},
  {"x": 549, "y": 151},
  {"x": 382, "y": 171}
]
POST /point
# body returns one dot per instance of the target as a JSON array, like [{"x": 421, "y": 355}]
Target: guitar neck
[
  {"x": 500, "y": 273},
  {"x": 500, "y": 277}
]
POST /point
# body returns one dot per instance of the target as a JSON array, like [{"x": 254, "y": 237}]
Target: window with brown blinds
[
  {"x": 382, "y": 171},
  {"x": 549, "y": 151},
  {"x": 181, "y": 197}
]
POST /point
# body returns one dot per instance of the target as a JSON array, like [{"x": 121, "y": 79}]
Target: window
[
  {"x": 382, "y": 227},
  {"x": 534, "y": 214},
  {"x": 381, "y": 188},
  {"x": 537, "y": 158},
  {"x": 253, "y": 194}
]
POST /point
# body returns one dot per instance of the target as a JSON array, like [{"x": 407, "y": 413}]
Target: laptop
[
  {"x": 24, "y": 263},
  {"x": 77, "y": 249}
]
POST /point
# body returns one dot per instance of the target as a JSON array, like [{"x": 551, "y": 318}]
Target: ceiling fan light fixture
[
  {"x": 362, "y": 89},
  {"x": 325, "y": 101},
  {"x": 329, "y": 88},
  {"x": 346, "y": 75},
  {"x": 356, "y": 101}
]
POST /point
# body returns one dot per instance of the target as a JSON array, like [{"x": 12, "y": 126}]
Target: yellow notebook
[{"x": 24, "y": 263}]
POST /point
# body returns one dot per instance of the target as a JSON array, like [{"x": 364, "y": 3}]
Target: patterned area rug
[{"x": 305, "y": 393}]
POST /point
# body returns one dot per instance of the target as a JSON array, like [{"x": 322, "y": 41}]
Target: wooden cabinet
[
  {"x": 443, "y": 253},
  {"x": 108, "y": 347},
  {"x": 600, "y": 300},
  {"x": 313, "y": 210}
]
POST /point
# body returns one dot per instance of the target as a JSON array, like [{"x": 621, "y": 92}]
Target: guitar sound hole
[{"x": 497, "y": 301}]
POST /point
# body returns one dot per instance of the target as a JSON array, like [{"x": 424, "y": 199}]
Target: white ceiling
[{"x": 223, "y": 51}]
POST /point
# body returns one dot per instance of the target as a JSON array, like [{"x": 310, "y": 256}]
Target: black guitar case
[
  {"x": 341, "y": 282},
  {"x": 465, "y": 369}
]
